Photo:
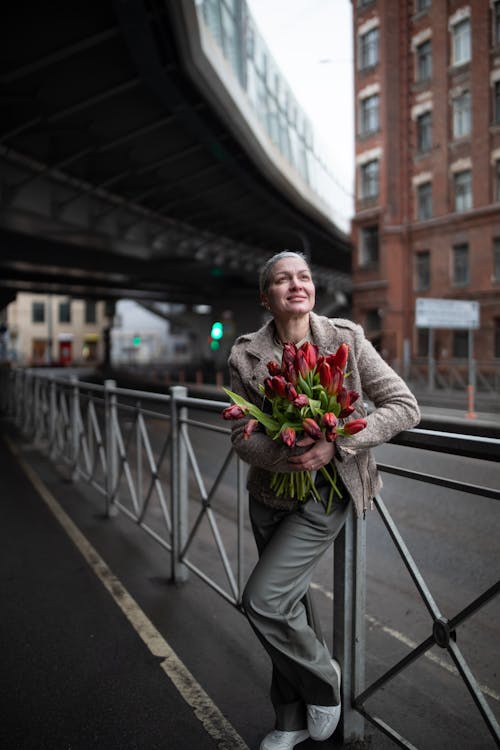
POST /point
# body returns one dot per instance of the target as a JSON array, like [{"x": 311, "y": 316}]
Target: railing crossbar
[{"x": 451, "y": 484}]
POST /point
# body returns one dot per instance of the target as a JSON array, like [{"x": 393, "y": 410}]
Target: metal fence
[{"x": 135, "y": 449}]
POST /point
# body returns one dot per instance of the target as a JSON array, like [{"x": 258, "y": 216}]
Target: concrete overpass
[{"x": 131, "y": 164}]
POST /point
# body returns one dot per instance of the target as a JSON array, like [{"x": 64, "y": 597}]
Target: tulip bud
[
  {"x": 310, "y": 352},
  {"x": 336, "y": 382},
  {"x": 273, "y": 368},
  {"x": 269, "y": 387},
  {"x": 288, "y": 436},
  {"x": 290, "y": 392},
  {"x": 301, "y": 364},
  {"x": 330, "y": 435},
  {"x": 250, "y": 426},
  {"x": 339, "y": 359},
  {"x": 354, "y": 426},
  {"x": 312, "y": 428},
  {"x": 325, "y": 375},
  {"x": 346, "y": 412},
  {"x": 301, "y": 400},
  {"x": 329, "y": 420},
  {"x": 279, "y": 385},
  {"x": 288, "y": 362},
  {"x": 234, "y": 412}
]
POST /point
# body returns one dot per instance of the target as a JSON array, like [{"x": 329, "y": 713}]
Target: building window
[
  {"x": 424, "y": 61},
  {"x": 422, "y": 342},
  {"x": 368, "y": 49},
  {"x": 461, "y": 265},
  {"x": 369, "y": 114},
  {"x": 496, "y": 259},
  {"x": 370, "y": 179},
  {"x": 373, "y": 320},
  {"x": 461, "y": 115},
  {"x": 463, "y": 190},
  {"x": 368, "y": 248},
  {"x": 424, "y": 201},
  {"x": 496, "y": 24},
  {"x": 423, "y": 271},
  {"x": 496, "y": 103},
  {"x": 38, "y": 312},
  {"x": 496, "y": 349},
  {"x": 424, "y": 132},
  {"x": 64, "y": 312},
  {"x": 422, "y": 5},
  {"x": 461, "y": 344},
  {"x": 460, "y": 45},
  {"x": 90, "y": 311}
]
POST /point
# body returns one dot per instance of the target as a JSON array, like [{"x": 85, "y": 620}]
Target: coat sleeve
[
  {"x": 395, "y": 407},
  {"x": 259, "y": 449}
]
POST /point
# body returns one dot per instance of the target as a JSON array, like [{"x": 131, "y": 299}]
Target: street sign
[{"x": 446, "y": 313}]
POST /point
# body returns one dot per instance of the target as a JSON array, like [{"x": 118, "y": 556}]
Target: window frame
[
  {"x": 422, "y": 271},
  {"x": 424, "y": 201},
  {"x": 40, "y": 307},
  {"x": 461, "y": 115},
  {"x": 368, "y": 113},
  {"x": 424, "y": 132},
  {"x": 460, "y": 269},
  {"x": 369, "y": 48},
  {"x": 462, "y": 191},
  {"x": 423, "y": 61},
  {"x": 457, "y": 41},
  {"x": 368, "y": 249},
  {"x": 64, "y": 305},
  {"x": 368, "y": 179}
]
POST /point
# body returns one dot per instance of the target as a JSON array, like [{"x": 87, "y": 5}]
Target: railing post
[
  {"x": 75, "y": 429},
  {"x": 110, "y": 415},
  {"x": 178, "y": 484},
  {"x": 36, "y": 408},
  {"x": 52, "y": 417},
  {"x": 348, "y": 621}
]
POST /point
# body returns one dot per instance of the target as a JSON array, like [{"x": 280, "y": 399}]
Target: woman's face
[{"x": 291, "y": 291}]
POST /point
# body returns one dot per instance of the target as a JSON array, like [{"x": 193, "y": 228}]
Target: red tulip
[
  {"x": 330, "y": 435},
  {"x": 325, "y": 375},
  {"x": 288, "y": 436},
  {"x": 301, "y": 364},
  {"x": 290, "y": 392},
  {"x": 269, "y": 387},
  {"x": 339, "y": 359},
  {"x": 273, "y": 368},
  {"x": 279, "y": 385},
  {"x": 234, "y": 412},
  {"x": 288, "y": 362},
  {"x": 301, "y": 400},
  {"x": 354, "y": 426},
  {"x": 345, "y": 399},
  {"x": 312, "y": 429},
  {"x": 329, "y": 420},
  {"x": 310, "y": 352},
  {"x": 336, "y": 382},
  {"x": 250, "y": 426}
]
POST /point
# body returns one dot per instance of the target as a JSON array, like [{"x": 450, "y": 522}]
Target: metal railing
[{"x": 135, "y": 449}]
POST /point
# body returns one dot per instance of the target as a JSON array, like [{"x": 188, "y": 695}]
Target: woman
[{"x": 291, "y": 536}]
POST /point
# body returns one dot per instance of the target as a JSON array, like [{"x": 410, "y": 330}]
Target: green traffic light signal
[
  {"x": 136, "y": 341},
  {"x": 217, "y": 331}
]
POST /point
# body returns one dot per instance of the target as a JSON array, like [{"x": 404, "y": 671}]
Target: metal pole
[
  {"x": 75, "y": 427},
  {"x": 348, "y": 622},
  {"x": 431, "y": 366},
  {"x": 111, "y": 452},
  {"x": 178, "y": 484},
  {"x": 52, "y": 417}
]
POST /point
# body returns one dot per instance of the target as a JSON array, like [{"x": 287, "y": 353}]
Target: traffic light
[
  {"x": 216, "y": 334},
  {"x": 136, "y": 341}
]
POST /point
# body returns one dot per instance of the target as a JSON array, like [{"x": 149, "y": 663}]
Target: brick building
[{"x": 427, "y": 216}]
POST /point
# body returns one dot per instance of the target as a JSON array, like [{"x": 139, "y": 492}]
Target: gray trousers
[{"x": 279, "y": 606}]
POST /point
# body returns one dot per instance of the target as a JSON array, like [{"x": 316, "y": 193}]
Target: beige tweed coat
[{"x": 395, "y": 409}]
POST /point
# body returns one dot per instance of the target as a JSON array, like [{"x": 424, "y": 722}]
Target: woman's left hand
[{"x": 319, "y": 454}]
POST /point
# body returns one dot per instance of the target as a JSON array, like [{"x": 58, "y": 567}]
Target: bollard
[{"x": 471, "y": 414}]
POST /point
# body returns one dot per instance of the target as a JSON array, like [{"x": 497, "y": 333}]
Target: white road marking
[
  {"x": 411, "y": 644},
  {"x": 214, "y": 722}
]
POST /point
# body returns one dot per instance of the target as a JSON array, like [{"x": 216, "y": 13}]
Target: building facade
[
  {"x": 427, "y": 212},
  {"x": 45, "y": 329}
]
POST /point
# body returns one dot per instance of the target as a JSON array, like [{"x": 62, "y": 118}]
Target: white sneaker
[
  {"x": 277, "y": 740},
  {"x": 322, "y": 721}
]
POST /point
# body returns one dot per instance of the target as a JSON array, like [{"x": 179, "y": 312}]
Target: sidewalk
[{"x": 75, "y": 672}]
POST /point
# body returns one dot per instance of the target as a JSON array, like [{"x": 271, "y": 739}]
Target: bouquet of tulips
[{"x": 307, "y": 396}]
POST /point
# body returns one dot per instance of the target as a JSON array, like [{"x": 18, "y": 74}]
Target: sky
[{"x": 311, "y": 42}]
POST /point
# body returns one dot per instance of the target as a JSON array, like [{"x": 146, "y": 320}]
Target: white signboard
[{"x": 446, "y": 313}]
